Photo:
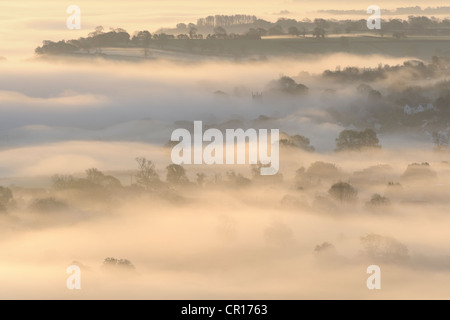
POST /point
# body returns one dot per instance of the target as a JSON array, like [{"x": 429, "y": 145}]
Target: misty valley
[{"x": 118, "y": 161}]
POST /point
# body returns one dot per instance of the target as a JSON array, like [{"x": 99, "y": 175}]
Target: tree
[
  {"x": 321, "y": 23},
  {"x": 261, "y": 31},
  {"x": 220, "y": 33},
  {"x": 192, "y": 32},
  {"x": 319, "y": 33},
  {"x": 161, "y": 39},
  {"x": 378, "y": 201},
  {"x": 419, "y": 23},
  {"x": 114, "y": 264},
  {"x": 276, "y": 30},
  {"x": 94, "y": 175},
  {"x": 60, "y": 47},
  {"x": 374, "y": 95},
  {"x": 98, "y": 178},
  {"x": 6, "y": 198},
  {"x": 357, "y": 140},
  {"x": 62, "y": 181},
  {"x": 419, "y": 171},
  {"x": 384, "y": 249},
  {"x": 294, "y": 31},
  {"x": 297, "y": 141},
  {"x": 147, "y": 175},
  {"x": 325, "y": 248},
  {"x": 323, "y": 170},
  {"x": 98, "y": 30},
  {"x": 288, "y": 85},
  {"x": 183, "y": 37},
  {"x": 142, "y": 39},
  {"x": 253, "y": 34},
  {"x": 176, "y": 174},
  {"x": 85, "y": 44},
  {"x": 303, "y": 32},
  {"x": 343, "y": 192}
]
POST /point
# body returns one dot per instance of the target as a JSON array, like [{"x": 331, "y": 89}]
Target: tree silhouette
[
  {"x": 142, "y": 39},
  {"x": 384, "y": 249},
  {"x": 176, "y": 174},
  {"x": 147, "y": 175},
  {"x": 181, "y": 26},
  {"x": 192, "y": 32},
  {"x": 378, "y": 201},
  {"x": 113, "y": 264},
  {"x": 343, "y": 192},
  {"x": 319, "y": 33},
  {"x": 94, "y": 175},
  {"x": 294, "y": 31},
  {"x": 297, "y": 141},
  {"x": 276, "y": 30},
  {"x": 98, "y": 178},
  {"x": 6, "y": 198},
  {"x": 357, "y": 140},
  {"x": 288, "y": 85},
  {"x": 220, "y": 32}
]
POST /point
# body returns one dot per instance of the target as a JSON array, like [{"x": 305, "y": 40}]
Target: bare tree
[{"x": 147, "y": 175}]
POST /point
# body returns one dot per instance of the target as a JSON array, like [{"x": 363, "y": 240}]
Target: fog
[
  {"x": 80, "y": 99},
  {"x": 232, "y": 236}
]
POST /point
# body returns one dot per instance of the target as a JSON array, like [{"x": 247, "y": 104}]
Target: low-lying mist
[{"x": 222, "y": 232}]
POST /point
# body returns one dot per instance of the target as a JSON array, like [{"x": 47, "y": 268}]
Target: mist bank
[
  {"x": 145, "y": 101},
  {"x": 220, "y": 237}
]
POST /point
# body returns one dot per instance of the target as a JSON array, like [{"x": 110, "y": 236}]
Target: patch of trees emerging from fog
[
  {"x": 99, "y": 186},
  {"x": 243, "y": 27},
  {"x": 71, "y": 196},
  {"x": 417, "y": 103},
  {"x": 420, "y": 103}
]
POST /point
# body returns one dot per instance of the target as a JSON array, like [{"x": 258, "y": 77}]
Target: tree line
[{"x": 242, "y": 27}]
